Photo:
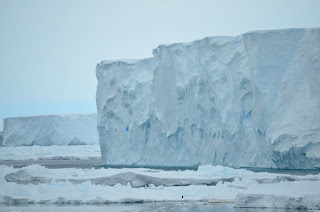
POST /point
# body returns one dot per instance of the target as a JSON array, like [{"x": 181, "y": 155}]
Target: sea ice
[
  {"x": 37, "y": 184},
  {"x": 40, "y": 152}
]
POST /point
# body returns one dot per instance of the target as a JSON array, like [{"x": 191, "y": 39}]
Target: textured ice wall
[
  {"x": 50, "y": 130},
  {"x": 251, "y": 100},
  {"x": 1, "y": 139}
]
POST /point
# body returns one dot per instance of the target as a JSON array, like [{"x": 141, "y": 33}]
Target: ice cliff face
[
  {"x": 50, "y": 130},
  {"x": 251, "y": 100},
  {"x": 1, "y": 139}
]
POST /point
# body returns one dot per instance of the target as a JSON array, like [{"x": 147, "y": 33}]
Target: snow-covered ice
[
  {"x": 77, "y": 187},
  {"x": 245, "y": 101},
  {"x": 41, "y": 152},
  {"x": 277, "y": 201},
  {"x": 48, "y": 130},
  {"x": 150, "y": 207}
]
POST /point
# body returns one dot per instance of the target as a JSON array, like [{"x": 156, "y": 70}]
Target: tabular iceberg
[
  {"x": 247, "y": 101},
  {"x": 51, "y": 130}
]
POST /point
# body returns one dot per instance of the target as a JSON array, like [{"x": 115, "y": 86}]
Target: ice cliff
[
  {"x": 1, "y": 139},
  {"x": 51, "y": 130},
  {"x": 247, "y": 101}
]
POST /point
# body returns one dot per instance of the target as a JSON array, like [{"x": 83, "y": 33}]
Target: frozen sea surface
[
  {"x": 49, "y": 152},
  {"x": 160, "y": 207},
  {"x": 68, "y": 178},
  {"x": 37, "y": 184}
]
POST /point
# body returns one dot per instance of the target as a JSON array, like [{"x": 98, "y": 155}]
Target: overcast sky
[{"x": 49, "y": 49}]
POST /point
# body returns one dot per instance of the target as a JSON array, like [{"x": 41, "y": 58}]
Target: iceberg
[
  {"x": 76, "y": 141},
  {"x": 47, "y": 130},
  {"x": 251, "y": 100}
]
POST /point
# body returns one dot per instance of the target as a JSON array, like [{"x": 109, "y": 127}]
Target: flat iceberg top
[
  {"x": 219, "y": 40},
  {"x": 129, "y": 61},
  {"x": 66, "y": 115},
  {"x": 212, "y": 40},
  {"x": 281, "y": 30}
]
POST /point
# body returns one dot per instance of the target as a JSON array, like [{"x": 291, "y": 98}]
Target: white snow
[
  {"x": 48, "y": 130},
  {"x": 245, "y": 101},
  {"x": 40, "y": 152},
  {"x": 245, "y": 185}
]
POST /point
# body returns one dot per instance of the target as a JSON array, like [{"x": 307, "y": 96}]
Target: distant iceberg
[
  {"x": 47, "y": 130},
  {"x": 247, "y": 101}
]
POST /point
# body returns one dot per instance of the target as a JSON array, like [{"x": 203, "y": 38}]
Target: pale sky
[{"x": 49, "y": 49}]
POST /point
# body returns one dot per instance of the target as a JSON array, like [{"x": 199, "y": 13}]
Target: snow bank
[
  {"x": 246, "y": 101},
  {"x": 49, "y": 130}
]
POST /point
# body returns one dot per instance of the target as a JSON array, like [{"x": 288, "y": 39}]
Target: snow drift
[
  {"x": 252, "y": 100},
  {"x": 49, "y": 130}
]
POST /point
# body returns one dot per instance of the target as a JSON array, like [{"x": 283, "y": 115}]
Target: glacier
[
  {"x": 251, "y": 100},
  {"x": 46, "y": 130}
]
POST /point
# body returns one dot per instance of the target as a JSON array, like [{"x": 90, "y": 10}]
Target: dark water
[{"x": 161, "y": 207}]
